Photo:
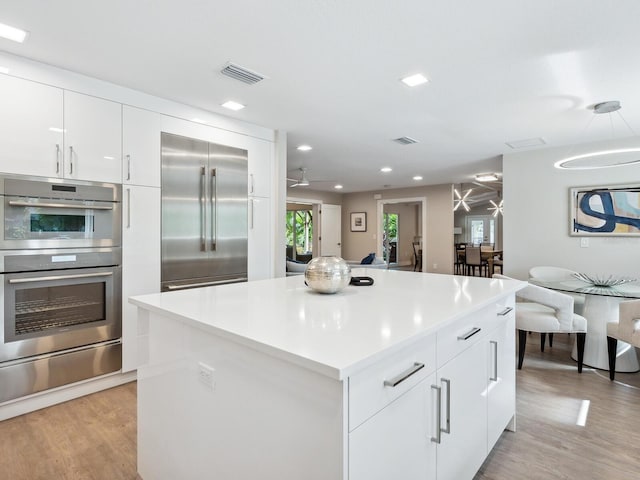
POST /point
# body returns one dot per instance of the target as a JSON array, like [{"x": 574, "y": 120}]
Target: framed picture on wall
[
  {"x": 359, "y": 221},
  {"x": 605, "y": 211}
]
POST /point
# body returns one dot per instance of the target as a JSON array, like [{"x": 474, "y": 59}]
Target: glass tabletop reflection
[{"x": 626, "y": 290}]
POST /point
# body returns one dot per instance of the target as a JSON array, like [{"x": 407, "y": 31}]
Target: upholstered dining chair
[
  {"x": 627, "y": 329},
  {"x": 473, "y": 259},
  {"x": 558, "y": 274},
  {"x": 546, "y": 311}
]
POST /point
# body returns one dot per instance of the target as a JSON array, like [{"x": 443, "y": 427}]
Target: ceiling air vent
[
  {"x": 240, "y": 73},
  {"x": 405, "y": 140}
]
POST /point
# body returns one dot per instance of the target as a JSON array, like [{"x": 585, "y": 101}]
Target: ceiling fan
[{"x": 303, "y": 180}]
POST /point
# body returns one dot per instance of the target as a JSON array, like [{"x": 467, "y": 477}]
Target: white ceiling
[{"x": 500, "y": 71}]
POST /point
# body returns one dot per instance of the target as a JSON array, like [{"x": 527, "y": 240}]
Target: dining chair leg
[
  {"x": 551, "y": 339},
  {"x": 612, "y": 350},
  {"x": 580, "y": 343},
  {"x": 543, "y": 339},
  {"x": 522, "y": 343}
]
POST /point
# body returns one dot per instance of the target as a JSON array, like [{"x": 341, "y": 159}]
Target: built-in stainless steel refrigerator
[{"x": 204, "y": 213}]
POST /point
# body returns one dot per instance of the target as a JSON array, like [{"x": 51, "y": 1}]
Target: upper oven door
[{"x": 31, "y": 222}]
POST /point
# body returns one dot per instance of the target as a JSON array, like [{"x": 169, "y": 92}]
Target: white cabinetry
[
  {"x": 141, "y": 163},
  {"x": 31, "y": 122},
  {"x": 502, "y": 376},
  {"x": 261, "y": 170},
  {"x": 92, "y": 138},
  {"x": 259, "y": 241},
  {"x": 140, "y": 260},
  {"x": 396, "y": 443}
]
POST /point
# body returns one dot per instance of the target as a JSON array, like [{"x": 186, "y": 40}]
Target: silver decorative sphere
[{"x": 327, "y": 274}]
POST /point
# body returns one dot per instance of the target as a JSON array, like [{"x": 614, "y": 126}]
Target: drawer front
[
  {"x": 466, "y": 331},
  {"x": 376, "y": 386}
]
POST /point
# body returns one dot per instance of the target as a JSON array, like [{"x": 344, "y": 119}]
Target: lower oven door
[{"x": 49, "y": 311}]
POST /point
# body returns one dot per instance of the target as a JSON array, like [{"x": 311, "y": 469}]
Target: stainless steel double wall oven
[{"x": 60, "y": 256}]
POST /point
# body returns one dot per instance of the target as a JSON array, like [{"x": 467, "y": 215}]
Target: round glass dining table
[{"x": 600, "y": 307}]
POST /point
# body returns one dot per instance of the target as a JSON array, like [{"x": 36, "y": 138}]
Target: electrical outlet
[
  {"x": 435, "y": 266},
  {"x": 205, "y": 375},
  {"x": 584, "y": 242}
]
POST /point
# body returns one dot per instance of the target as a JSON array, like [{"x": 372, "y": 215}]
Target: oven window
[
  {"x": 46, "y": 308},
  {"x": 61, "y": 223}
]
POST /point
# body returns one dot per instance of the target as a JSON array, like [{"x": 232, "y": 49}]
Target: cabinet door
[
  {"x": 31, "y": 123},
  {"x": 93, "y": 138},
  {"x": 396, "y": 442},
  {"x": 140, "y": 260},
  {"x": 463, "y": 444},
  {"x": 502, "y": 379},
  {"x": 260, "y": 168},
  {"x": 259, "y": 260},
  {"x": 141, "y": 146}
]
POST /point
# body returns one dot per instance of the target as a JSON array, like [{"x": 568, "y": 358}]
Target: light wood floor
[{"x": 94, "y": 438}]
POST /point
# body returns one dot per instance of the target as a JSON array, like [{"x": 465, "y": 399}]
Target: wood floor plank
[{"x": 94, "y": 437}]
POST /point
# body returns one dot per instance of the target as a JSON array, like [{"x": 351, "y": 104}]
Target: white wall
[{"x": 537, "y": 218}]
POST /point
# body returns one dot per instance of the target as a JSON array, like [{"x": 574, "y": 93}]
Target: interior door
[
  {"x": 331, "y": 230},
  {"x": 184, "y": 177}
]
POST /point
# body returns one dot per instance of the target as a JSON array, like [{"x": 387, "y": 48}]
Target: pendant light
[
  {"x": 461, "y": 199},
  {"x": 616, "y": 157}
]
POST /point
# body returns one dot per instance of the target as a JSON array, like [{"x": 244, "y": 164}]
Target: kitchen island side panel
[{"x": 259, "y": 417}]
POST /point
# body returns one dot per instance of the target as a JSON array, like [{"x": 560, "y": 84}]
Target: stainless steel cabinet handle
[
  {"x": 404, "y": 375},
  {"x": 253, "y": 185},
  {"x": 214, "y": 209},
  {"x": 206, "y": 284},
  {"x": 505, "y": 311},
  {"x": 447, "y": 382},
  {"x": 438, "y": 390},
  {"x": 70, "y": 160},
  {"x": 128, "y": 208},
  {"x": 59, "y": 277},
  {"x": 128, "y": 167},
  {"x": 203, "y": 209},
  {"x": 18, "y": 203},
  {"x": 494, "y": 378},
  {"x": 57, "y": 159},
  {"x": 469, "y": 334},
  {"x": 251, "y": 215}
]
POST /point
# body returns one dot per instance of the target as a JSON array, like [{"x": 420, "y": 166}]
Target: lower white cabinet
[
  {"x": 260, "y": 262},
  {"x": 502, "y": 377},
  {"x": 140, "y": 260},
  {"x": 444, "y": 427},
  {"x": 463, "y": 414},
  {"x": 397, "y": 442}
]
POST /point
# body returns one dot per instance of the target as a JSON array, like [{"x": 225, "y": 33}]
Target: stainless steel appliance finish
[
  {"x": 56, "y": 213},
  {"x": 204, "y": 213},
  {"x": 61, "y": 307}
]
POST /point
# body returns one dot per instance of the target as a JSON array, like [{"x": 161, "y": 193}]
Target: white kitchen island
[{"x": 411, "y": 378}]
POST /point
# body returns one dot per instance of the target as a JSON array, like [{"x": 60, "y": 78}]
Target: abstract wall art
[{"x": 606, "y": 211}]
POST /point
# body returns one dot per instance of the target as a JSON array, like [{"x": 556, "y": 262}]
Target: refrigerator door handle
[
  {"x": 203, "y": 213},
  {"x": 214, "y": 209}
]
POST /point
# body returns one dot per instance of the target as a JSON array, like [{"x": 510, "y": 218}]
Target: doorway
[
  {"x": 400, "y": 223},
  {"x": 482, "y": 229}
]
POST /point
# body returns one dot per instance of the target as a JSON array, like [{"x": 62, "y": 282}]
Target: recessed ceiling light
[
  {"x": 338, "y": 187},
  {"x": 487, "y": 177},
  {"x": 109, "y": 158},
  {"x": 386, "y": 169},
  {"x": 414, "y": 80},
  {"x": 304, "y": 148},
  {"x": 199, "y": 120},
  {"x": 417, "y": 178},
  {"x": 231, "y": 105},
  {"x": 57, "y": 129},
  {"x": 13, "y": 33},
  {"x": 4, "y": 69}
]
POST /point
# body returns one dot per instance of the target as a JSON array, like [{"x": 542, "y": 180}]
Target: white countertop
[{"x": 335, "y": 334}]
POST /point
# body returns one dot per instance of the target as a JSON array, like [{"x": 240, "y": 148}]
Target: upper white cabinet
[
  {"x": 92, "y": 138},
  {"x": 141, "y": 146},
  {"x": 31, "y": 122}
]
